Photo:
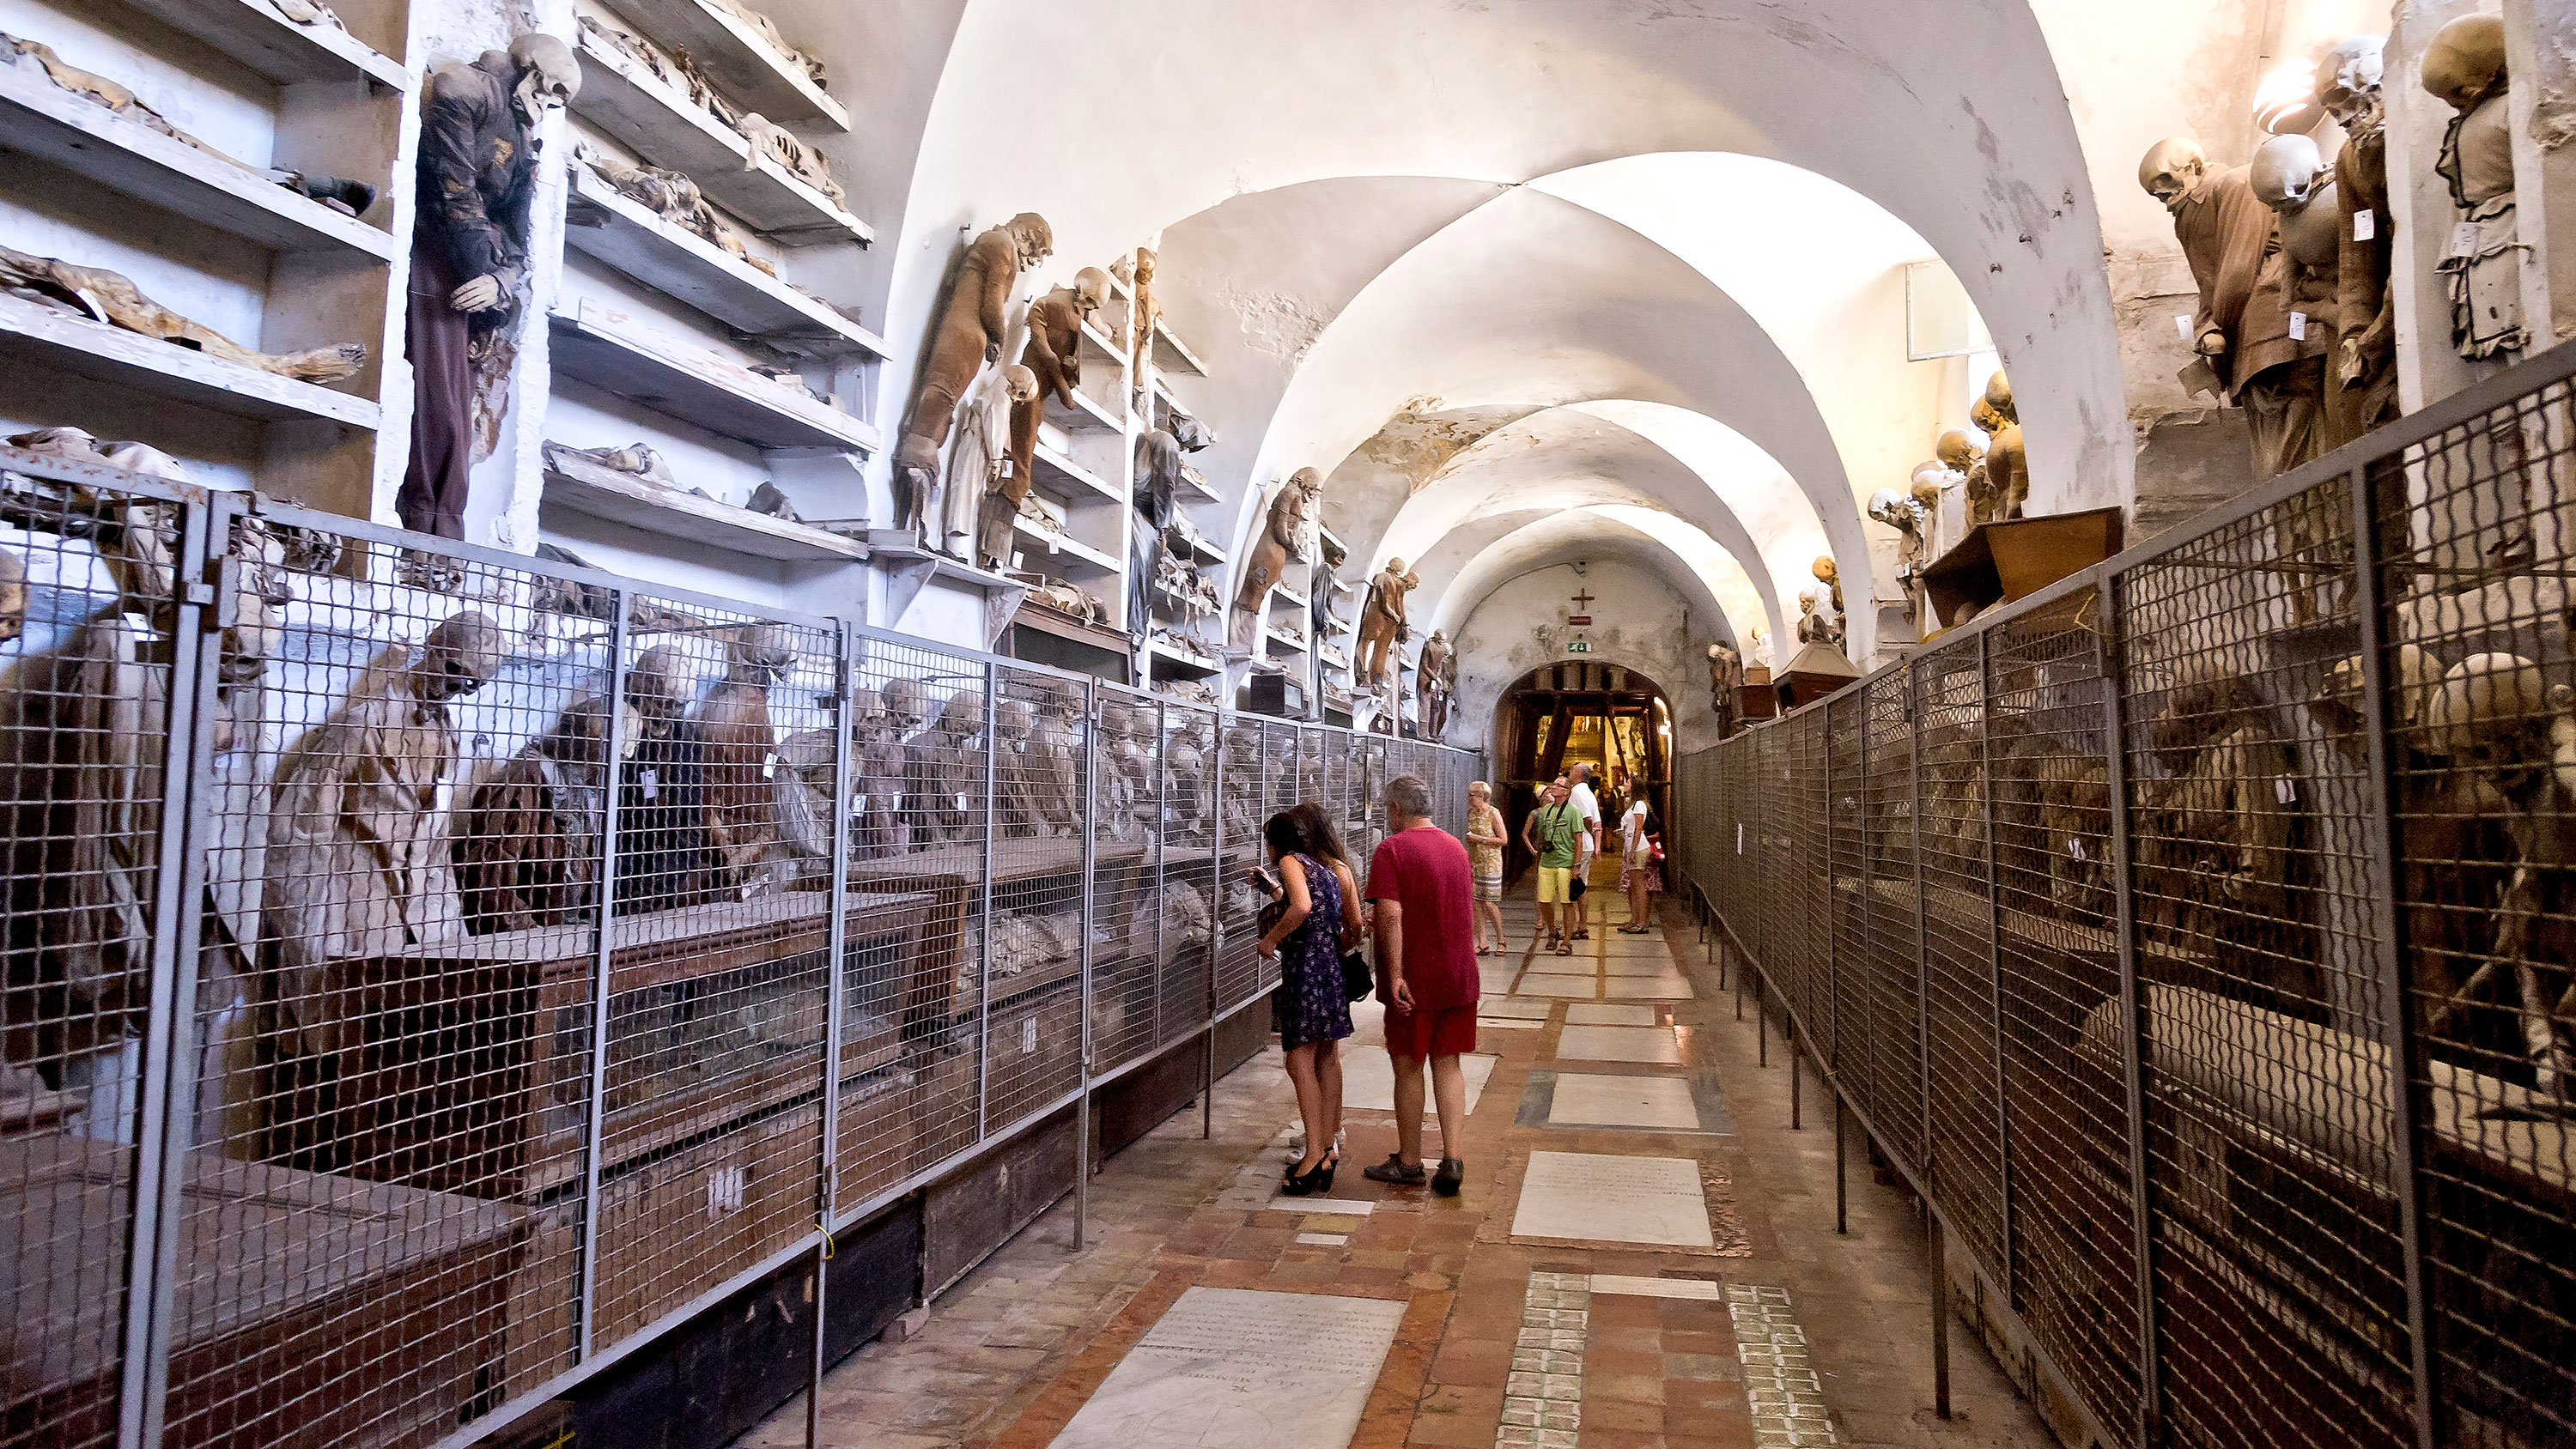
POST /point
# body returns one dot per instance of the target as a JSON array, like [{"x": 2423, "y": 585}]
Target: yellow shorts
[{"x": 1554, "y": 883}]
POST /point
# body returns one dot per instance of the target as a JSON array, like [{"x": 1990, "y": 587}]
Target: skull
[
  {"x": 760, "y": 653},
  {"x": 1959, "y": 450},
  {"x": 2348, "y": 80},
  {"x": 549, "y": 77},
  {"x": 13, "y": 596},
  {"x": 964, "y": 713},
  {"x": 1036, "y": 240},
  {"x": 580, "y": 737},
  {"x": 2464, "y": 62},
  {"x": 1994, "y": 411},
  {"x": 1823, "y": 568},
  {"x": 2202, "y": 702},
  {"x": 2491, "y": 715},
  {"x": 867, "y": 709},
  {"x": 461, "y": 655},
  {"x": 1090, "y": 289},
  {"x": 2172, "y": 169},
  {"x": 1020, "y": 383},
  {"x": 907, "y": 702},
  {"x": 2285, "y": 173},
  {"x": 657, "y": 684},
  {"x": 2337, "y": 704},
  {"x": 1016, "y": 719},
  {"x": 1893, "y": 509}
]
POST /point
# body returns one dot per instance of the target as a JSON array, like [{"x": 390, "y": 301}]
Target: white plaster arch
[
  {"x": 1513, "y": 630},
  {"x": 1495, "y": 549},
  {"x": 1233, "y": 96}
]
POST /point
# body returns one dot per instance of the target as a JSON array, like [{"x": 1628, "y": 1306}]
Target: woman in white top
[{"x": 1639, "y": 876}]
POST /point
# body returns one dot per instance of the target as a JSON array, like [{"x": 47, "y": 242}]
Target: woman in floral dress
[{"x": 1303, "y": 928}]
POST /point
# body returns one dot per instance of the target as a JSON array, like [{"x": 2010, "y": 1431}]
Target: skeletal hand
[
  {"x": 2211, "y": 343},
  {"x": 480, "y": 295}
]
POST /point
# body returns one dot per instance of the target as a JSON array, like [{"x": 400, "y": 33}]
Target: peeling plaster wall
[{"x": 1519, "y": 628}]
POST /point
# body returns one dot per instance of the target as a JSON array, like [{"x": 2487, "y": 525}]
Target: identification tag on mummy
[
  {"x": 2298, "y": 327},
  {"x": 2075, "y": 847},
  {"x": 2286, "y": 792},
  {"x": 2464, "y": 240},
  {"x": 1006, "y": 467},
  {"x": 651, "y": 781},
  {"x": 769, "y": 767},
  {"x": 443, "y": 795},
  {"x": 2365, "y": 224},
  {"x": 1739, "y": 838}
]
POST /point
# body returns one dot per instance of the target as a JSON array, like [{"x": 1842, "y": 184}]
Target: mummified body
[
  {"x": 109, "y": 297},
  {"x": 739, "y": 756},
  {"x": 943, "y": 775},
  {"x": 663, "y": 860},
  {"x": 528, "y": 843}
]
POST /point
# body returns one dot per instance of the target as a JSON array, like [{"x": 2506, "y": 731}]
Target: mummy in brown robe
[
  {"x": 739, "y": 763},
  {"x": 943, "y": 775},
  {"x": 359, "y": 860},
  {"x": 967, "y": 339},
  {"x": 528, "y": 844}
]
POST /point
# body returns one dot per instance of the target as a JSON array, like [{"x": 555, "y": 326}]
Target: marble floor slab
[
  {"x": 1588, "y": 1196},
  {"x": 1622, "y": 1285},
  {"x": 1340, "y": 1207},
  {"x": 1637, "y": 966},
  {"x": 1671, "y": 986},
  {"x": 1589, "y": 1015},
  {"x": 1495, "y": 979},
  {"x": 1329, "y": 1240},
  {"x": 1368, "y": 1080},
  {"x": 1508, "y": 1023},
  {"x": 1649, "y": 1045},
  {"x": 1235, "y": 1368},
  {"x": 1654, "y": 1104},
  {"x": 1533, "y": 1010},
  {"x": 1544, "y": 983}
]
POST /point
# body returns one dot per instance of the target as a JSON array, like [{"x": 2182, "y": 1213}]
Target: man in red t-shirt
[{"x": 1426, "y": 959}]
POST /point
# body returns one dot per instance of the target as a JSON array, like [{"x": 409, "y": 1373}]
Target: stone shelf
[
  {"x": 1079, "y": 486},
  {"x": 596, "y": 346},
  {"x": 1102, "y": 344},
  {"x": 607, "y": 224},
  {"x": 1168, "y": 353},
  {"x": 1074, "y": 560},
  {"x": 1086, "y": 416},
  {"x": 1182, "y": 663},
  {"x": 1282, "y": 594},
  {"x": 45, "y": 121},
  {"x": 1205, "y": 552},
  {"x": 249, "y": 32},
  {"x": 1199, "y": 484},
  {"x": 737, "y": 59},
  {"x": 666, "y": 129},
  {"x": 621, "y": 498},
  {"x": 1286, "y": 640},
  {"x": 40, "y": 337}
]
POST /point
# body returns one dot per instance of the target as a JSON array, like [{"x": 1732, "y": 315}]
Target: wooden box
[
  {"x": 673, "y": 1227},
  {"x": 943, "y": 1103},
  {"x": 1031, "y": 874},
  {"x": 1755, "y": 698},
  {"x": 968, "y": 1215},
  {"x": 310, "y": 1309},
  {"x": 876, "y": 1132},
  {"x": 2015, "y": 558},
  {"x": 466, "y": 1065},
  {"x": 1034, "y": 1044}
]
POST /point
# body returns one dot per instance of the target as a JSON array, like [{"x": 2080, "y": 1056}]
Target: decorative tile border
[
  {"x": 1780, "y": 1382},
  {"x": 1543, "y": 1398}
]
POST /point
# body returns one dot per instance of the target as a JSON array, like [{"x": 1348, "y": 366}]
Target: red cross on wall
[{"x": 1582, "y": 606}]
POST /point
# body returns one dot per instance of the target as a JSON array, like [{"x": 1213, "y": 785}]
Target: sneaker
[
  {"x": 1451, "y": 1175},
  {"x": 1394, "y": 1171}
]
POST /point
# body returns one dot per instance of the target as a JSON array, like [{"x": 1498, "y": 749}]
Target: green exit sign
[{"x": 1579, "y": 646}]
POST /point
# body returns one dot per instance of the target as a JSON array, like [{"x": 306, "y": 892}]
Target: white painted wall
[{"x": 1519, "y": 628}]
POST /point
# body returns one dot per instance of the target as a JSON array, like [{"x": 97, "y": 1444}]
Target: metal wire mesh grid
[
  {"x": 1962, "y": 1068},
  {"x": 1126, "y": 797}
]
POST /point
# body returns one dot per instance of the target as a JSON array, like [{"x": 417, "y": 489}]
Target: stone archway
[{"x": 1613, "y": 717}]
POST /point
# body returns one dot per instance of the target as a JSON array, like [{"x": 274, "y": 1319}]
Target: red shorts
[{"x": 1444, "y": 1031}]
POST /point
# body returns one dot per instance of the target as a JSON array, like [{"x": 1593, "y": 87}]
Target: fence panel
[
  {"x": 1037, "y": 935},
  {"x": 1966, "y": 1108}
]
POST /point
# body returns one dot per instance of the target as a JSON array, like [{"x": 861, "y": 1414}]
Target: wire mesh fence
[
  {"x": 2196, "y": 937},
  {"x": 430, "y": 971}
]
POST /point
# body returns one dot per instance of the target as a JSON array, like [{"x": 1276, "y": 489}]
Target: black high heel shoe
[{"x": 1308, "y": 1183}]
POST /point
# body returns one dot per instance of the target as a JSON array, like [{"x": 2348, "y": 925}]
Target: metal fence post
[
  {"x": 984, "y": 936},
  {"x": 1927, "y": 1166},
  {"x": 2133, "y": 1047},
  {"x": 597, "y": 1110},
  {"x": 2407, "y": 1092},
  {"x": 1090, "y": 928},
  {"x": 844, "y": 678},
  {"x": 200, "y": 603}
]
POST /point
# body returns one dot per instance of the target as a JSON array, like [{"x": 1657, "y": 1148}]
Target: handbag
[{"x": 1357, "y": 979}]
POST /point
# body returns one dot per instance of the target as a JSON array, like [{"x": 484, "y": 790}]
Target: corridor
[{"x": 1644, "y": 1253}]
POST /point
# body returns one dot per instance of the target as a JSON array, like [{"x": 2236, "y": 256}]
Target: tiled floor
[{"x": 1651, "y": 1260}]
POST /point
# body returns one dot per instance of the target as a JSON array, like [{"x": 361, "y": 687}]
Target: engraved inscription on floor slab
[
  {"x": 1509, "y": 1023},
  {"x": 1622, "y": 1285},
  {"x": 1657, "y": 1104},
  {"x": 1652, "y": 1045},
  {"x": 1228, "y": 1367},
  {"x": 1671, "y": 986},
  {"x": 1368, "y": 1081},
  {"x": 1538, "y": 983},
  {"x": 1596, "y": 1197},
  {"x": 1531, "y": 1010},
  {"x": 1609, "y": 1016}
]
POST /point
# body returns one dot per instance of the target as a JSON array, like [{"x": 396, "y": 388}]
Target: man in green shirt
[{"x": 1551, "y": 833}]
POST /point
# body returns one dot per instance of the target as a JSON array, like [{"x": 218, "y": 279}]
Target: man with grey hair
[{"x": 1420, "y": 882}]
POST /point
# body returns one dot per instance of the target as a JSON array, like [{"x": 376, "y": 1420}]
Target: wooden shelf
[
  {"x": 737, "y": 59},
  {"x": 1198, "y": 483},
  {"x": 1034, "y": 615},
  {"x": 1286, "y": 640},
  {"x": 616, "y": 229},
  {"x": 1171, "y": 356},
  {"x": 625, "y": 499},
  {"x": 1282, "y": 594},
  {"x": 51, "y": 124},
  {"x": 1077, "y": 485},
  {"x": 1182, "y": 662},
  {"x": 661, "y": 125},
  {"x": 1086, "y": 416},
  {"x": 251, "y": 33},
  {"x": 1078, "y": 560},
  {"x": 1206, "y": 553},
  {"x": 41, "y": 337},
  {"x": 595, "y": 346},
  {"x": 1103, "y": 345}
]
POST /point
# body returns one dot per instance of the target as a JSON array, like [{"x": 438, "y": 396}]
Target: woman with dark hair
[{"x": 1303, "y": 927}]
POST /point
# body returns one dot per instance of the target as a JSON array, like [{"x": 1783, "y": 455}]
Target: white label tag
[
  {"x": 1739, "y": 839},
  {"x": 443, "y": 796},
  {"x": 961, "y": 799},
  {"x": 2365, "y": 224},
  {"x": 2464, "y": 240},
  {"x": 2298, "y": 327},
  {"x": 651, "y": 780},
  {"x": 1028, "y": 1036},
  {"x": 2075, "y": 847},
  {"x": 769, "y": 767},
  {"x": 2284, "y": 790},
  {"x": 1007, "y": 465},
  {"x": 858, "y": 805},
  {"x": 2182, "y": 325}
]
